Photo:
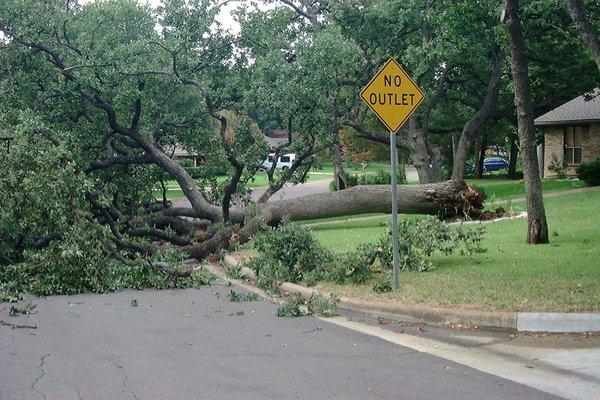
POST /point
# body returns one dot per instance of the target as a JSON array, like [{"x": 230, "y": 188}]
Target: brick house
[{"x": 572, "y": 132}]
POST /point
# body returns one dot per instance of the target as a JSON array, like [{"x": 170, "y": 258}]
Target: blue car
[{"x": 494, "y": 164}]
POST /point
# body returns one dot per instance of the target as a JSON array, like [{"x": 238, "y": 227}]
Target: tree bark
[
  {"x": 424, "y": 155},
  {"x": 586, "y": 30},
  {"x": 339, "y": 174},
  {"x": 480, "y": 156},
  {"x": 537, "y": 225},
  {"x": 455, "y": 139},
  {"x": 512, "y": 161},
  {"x": 443, "y": 198}
]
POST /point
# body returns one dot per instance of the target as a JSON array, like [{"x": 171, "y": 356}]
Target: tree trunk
[
  {"x": 455, "y": 138},
  {"x": 480, "y": 156},
  {"x": 586, "y": 30},
  {"x": 537, "y": 225},
  {"x": 202, "y": 208},
  {"x": 425, "y": 156},
  {"x": 443, "y": 198},
  {"x": 339, "y": 175},
  {"x": 512, "y": 161},
  {"x": 436, "y": 198}
]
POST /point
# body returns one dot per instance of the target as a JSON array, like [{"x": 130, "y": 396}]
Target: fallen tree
[
  {"x": 444, "y": 199},
  {"x": 103, "y": 129}
]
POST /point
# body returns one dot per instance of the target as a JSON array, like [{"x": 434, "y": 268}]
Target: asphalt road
[{"x": 196, "y": 344}]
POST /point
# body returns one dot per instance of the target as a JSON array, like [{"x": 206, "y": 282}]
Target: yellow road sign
[{"x": 392, "y": 95}]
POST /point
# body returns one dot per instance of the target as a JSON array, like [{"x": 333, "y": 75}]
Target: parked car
[
  {"x": 494, "y": 164},
  {"x": 285, "y": 162}
]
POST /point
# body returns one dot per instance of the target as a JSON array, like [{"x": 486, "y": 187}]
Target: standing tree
[
  {"x": 586, "y": 30},
  {"x": 314, "y": 12},
  {"x": 537, "y": 226}
]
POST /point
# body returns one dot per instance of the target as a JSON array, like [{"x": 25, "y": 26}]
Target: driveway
[{"x": 196, "y": 344}]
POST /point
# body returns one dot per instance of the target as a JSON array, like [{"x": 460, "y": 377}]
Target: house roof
[
  {"x": 278, "y": 137},
  {"x": 183, "y": 152},
  {"x": 578, "y": 110}
]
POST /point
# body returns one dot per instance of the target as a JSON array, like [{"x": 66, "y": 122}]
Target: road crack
[
  {"x": 124, "y": 381},
  {"x": 40, "y": 368}
]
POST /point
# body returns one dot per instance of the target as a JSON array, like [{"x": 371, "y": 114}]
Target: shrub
[
  {"x": 235, "y": 272},
  {"x": 237, "y": 297},
  {"x": 354, "y": 266},
  {"x": 318, "y": 305},
  {"x": 559, "y": 167},
  {"x": 290, "y": 253},
  {"x": 383, "y": 284},
  {"x": 321, "y": 306},
  {"x": 380, "y": 177},
  {"x": 270, "y": 273},
  {"x": 291, "y": 307},
  {"x": 287, "y": 253},
  {"x": 419, "y": 239},
  {"x": 590, "y": 172}
]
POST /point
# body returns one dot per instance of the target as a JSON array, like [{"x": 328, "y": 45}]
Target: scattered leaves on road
[{"x": 25, "y": 310}]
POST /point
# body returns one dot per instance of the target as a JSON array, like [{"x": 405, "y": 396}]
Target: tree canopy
[{"x": 100, "y": 95}]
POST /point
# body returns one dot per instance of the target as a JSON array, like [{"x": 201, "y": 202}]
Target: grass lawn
[
  {"x": 355, "y": 168},
  {"x": 561, "y": 276},
  {"x": 504, "y": 189}
]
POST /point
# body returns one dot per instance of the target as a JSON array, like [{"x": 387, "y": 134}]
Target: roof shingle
[{"x": 577, "y": 110}]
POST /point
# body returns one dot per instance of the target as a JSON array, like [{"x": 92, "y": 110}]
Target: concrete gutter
[{"x": 492, "y": 320}]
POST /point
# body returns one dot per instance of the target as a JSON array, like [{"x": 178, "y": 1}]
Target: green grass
[
  {"x": 504, "y": 189},
  {"x": 561, "y": 276},
  {"x": 355, "y": 168}
]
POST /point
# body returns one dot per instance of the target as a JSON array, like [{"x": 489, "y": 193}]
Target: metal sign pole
[{"x": 395, "y": 256}]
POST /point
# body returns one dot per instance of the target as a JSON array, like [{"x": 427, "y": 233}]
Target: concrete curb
[
  {"x": 492, "y": 320},
  {"x": 558, "y": 322}
]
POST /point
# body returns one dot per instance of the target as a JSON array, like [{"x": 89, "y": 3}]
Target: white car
[{"x": 284, "y": 163}]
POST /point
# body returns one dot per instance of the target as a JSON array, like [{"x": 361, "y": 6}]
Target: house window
[{"x": 573, "y": 137}]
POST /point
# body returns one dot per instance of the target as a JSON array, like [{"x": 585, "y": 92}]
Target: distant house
[
  {"x": 274, "y": 139},
  {"x": 181, "y": 154},
  {"x": 572, "y": 132},
  {"x": 277, "y": 138}
]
